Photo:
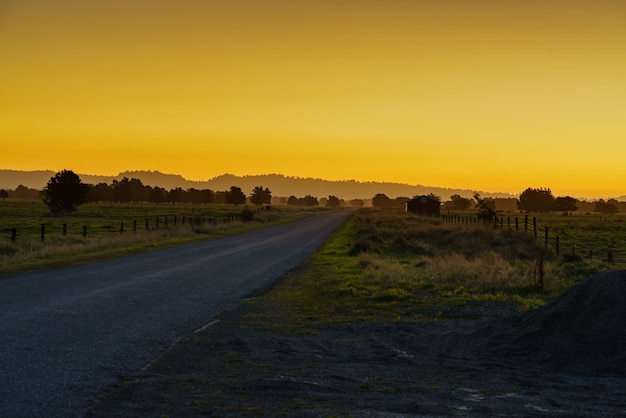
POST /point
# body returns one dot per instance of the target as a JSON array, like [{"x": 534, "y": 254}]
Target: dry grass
[{"x": 31, "y": 254}]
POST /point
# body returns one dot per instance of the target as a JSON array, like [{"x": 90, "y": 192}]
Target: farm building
[{"x": 423, "y": 205}]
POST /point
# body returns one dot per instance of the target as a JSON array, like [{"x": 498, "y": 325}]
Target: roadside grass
[
  {"x": 105, "y": 239},
  {"x": 388, "y": 266},
  {"x": 380, "y": 268}
]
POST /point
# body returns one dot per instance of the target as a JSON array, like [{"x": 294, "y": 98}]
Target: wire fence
[{"x": 559, "y": 241}]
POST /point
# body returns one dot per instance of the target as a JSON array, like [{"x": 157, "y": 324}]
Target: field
[
  {"x": 102, "y": 230},
  {"x": 391, "y": 318},
  {"x": 396, "y": 266}
]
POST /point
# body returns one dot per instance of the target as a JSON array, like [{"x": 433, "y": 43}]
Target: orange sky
[{"x": 483, "y": 95}]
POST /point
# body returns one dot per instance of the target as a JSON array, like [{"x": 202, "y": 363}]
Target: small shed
[{"x": 423, "y": 205}]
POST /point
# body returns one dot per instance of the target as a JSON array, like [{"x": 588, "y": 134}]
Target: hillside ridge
[{"x": 279, "y": 184}]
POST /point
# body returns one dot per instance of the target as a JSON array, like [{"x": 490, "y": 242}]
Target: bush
[{"x": 246, "y": 215}]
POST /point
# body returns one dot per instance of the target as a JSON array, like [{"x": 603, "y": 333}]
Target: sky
[{"x": 483, "y": 95}]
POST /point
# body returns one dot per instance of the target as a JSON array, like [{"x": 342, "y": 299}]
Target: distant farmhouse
[{"x": 423, "y": 205}]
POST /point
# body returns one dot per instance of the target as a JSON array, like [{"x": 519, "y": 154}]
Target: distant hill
[{"x": 280, "y": 185}]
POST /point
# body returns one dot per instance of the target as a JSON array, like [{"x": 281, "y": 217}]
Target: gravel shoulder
[{"x": 487, "y": 365}]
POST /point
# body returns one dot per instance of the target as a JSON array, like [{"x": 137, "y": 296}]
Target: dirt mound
[{"x": 584, "y": 329}]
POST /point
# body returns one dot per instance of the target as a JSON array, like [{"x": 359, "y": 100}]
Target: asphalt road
[{"x": 67, "y": 334}]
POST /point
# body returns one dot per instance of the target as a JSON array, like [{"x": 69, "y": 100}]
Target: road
[{"x": 67, "y": 334}]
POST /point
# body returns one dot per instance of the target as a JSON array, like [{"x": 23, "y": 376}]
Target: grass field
[
  {"x": 392, "y": 266},
  {"x": 115, "y": 229},
  {"x": 586, "y": 235}
]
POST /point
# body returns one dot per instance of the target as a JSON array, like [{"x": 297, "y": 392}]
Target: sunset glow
[{"x": 484, "y": 95}]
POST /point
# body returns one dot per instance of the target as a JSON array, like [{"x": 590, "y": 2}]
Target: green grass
[
  {"x": 177, "y": 224},
  {"x": 391, "y": 266}
]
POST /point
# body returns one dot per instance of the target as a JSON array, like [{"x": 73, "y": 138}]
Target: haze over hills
[{"x": 280, "y": 185}]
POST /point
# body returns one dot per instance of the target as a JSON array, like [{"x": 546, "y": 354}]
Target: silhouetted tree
[
  {"x": 4, "y": 194},
  {"x": 486, "y": 208},
  {"x": 235, "y": 196},
  {"x": 605, "y": 207},
  {"x": 23, "y": 192},
  {"x": 121, "y": 190},
  {"x": 64, "y": 192},
  {"x": 293, "y": 201},
  {"x": 101, "y": 192},
  {"x": 536, "y": 200},
  {"x": 458, "y": 202},
  {"x": 175, "y": 195},
  {"x": 309, "y": 200},
  {"x": 158, "y": 195},
  {"x": 381, "y": 201},
  {"x": 355, "y": 203},
  {"x": 565, "y": 204},
  {"x": 220, "y": 197},
  {"x": 261, "y": 196},
  {"x": 332, "y": 202}
]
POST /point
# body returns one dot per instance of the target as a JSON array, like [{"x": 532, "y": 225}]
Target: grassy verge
[
  {"x": 393, "y": 266},
  {"x": 30, "y": 254}
]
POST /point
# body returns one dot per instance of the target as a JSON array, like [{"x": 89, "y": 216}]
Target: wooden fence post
[
  {"x": 84, "y": 231},
  {"x": 157, "y": 222},
  {"x": 516, "y": 224},
  {"x": 43, "y": 231},
  {"x": 135, "y": 225},
  {"x": 13, "y": 235},
  {"x": 147, "y": 223},
  {"x": 121, "y": 227},
  {"x": 546, "y": 238},
  {"x": 64, "y": 229},
  {"x": 557, "y": 246},
  {"x": 535, "y": 226},
  {"x": 525, "y": 223}
]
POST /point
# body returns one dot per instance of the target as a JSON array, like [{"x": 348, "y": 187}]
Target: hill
[{"x": 279, "y": 184}]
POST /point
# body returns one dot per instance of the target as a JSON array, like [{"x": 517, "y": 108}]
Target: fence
[
  {"x": 44, "y": 231},
  {"x": 555, "y": 240}
]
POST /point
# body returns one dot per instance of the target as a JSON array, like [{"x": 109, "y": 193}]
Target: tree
[
  {"x": 565, "y": 204},
  {"x": 358, "y": 203},
  {"x": 293, "y": 201},
  {"x": 332, "y": 202},
  {"x": 64, "y": 192},
  {"x": 261, "y": 196},
  {"x": 536, "y": 200},
  {"x": 486, "y": 208},
  {"x": 4, "y": 194},
  {"x": 235, "y": 196},
  {"x": 23, "y": 192},
  {"x": 458, "y": 202},
  {"x": 605, "y": 207},
  {"x": 309, "y": 200},
  {"x": 381, "y": 201}
]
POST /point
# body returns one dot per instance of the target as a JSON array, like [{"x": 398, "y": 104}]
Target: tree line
[
  {"x": 538, "y": 200},
  {"x": 65, "y": 191},
  {"x": 530, "y": 200}
]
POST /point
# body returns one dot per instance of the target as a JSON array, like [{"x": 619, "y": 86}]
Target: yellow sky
[{"x": 483, "y": 95}]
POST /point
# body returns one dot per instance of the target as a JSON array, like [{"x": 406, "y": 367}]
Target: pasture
[
  {"x": 387, "y": 265},
  {"x": 31, "y": 238}
]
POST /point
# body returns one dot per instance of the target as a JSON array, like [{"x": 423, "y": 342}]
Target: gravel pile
[{"x": 584, "y": 329}]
